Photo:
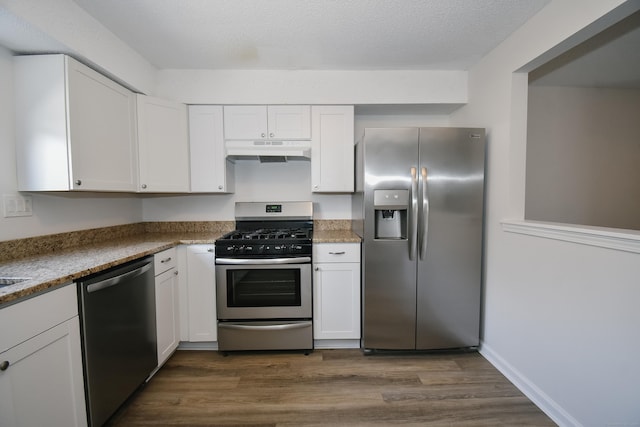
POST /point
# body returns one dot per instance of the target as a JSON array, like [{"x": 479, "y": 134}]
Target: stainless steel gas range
[{"x": 263, "y": 278}]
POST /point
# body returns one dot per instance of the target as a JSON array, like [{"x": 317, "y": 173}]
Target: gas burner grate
[{"x": 270, "y": 234}]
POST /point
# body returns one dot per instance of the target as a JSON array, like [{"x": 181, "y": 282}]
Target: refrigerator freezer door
[
  {"x": 449, "y": 270},
  {"x": 389, "y": 275}
]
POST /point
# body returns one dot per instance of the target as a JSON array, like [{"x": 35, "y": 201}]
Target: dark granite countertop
[
  {"x": 56, "y": 260},
  {"x": 60, "y": 267}
]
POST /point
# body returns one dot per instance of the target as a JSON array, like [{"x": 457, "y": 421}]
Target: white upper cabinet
[
  {"x": 163, "y": 144},
  {"x": 210, "y": 171},
  {"x": 75, "y": 128},
  {"x": 255, "y": 122},
  {"x": 332, "y": 149}
]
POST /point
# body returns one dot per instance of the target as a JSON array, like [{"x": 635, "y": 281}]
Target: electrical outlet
[{"x": 17, "y": 205}]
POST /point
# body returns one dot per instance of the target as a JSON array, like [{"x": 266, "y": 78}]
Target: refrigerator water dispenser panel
[{"x": 391, "y": 207}]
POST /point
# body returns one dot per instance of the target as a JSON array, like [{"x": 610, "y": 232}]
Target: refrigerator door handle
[
  {"x": 413, "y": 223},
  {"x": 424, "y": 223}
]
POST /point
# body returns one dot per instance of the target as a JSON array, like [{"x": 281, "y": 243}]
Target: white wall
[
  {"x": 583, "y": 156},
  {"x": 52, "y": 213},
  {"x": 67, "y": 26},
  {"x": 313, "y": 86},
  {"x": 560, "y": 319}
]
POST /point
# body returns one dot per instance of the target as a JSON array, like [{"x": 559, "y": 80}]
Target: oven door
[{"x": 274, "y": 290}]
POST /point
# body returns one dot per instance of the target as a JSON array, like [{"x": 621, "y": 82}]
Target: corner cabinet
[
  {"x": 163, "y": 145},
  {"x": 336, "y": 291},
  {"x": 211, "y": 172},
  {"x": 257, "y": 122},
  {"x": 75, "y": 128},
  {"x": 332, "y": 149},
  {"x": 201, "y": 294},
  {"x": 167, "y": 303},
  {"x": 41, "y": 379}
]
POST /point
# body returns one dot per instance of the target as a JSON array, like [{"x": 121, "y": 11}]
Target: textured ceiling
[{"x": 312, "y": 34}]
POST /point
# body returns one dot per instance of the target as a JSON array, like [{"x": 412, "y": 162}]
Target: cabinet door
[
  {"x": 245, "y": 122},
  {"x": 210, "y": 171},
  {"x": 102, "y": 132},
  {"x": 43, "y": 384},
  {"x": 163, "y": 145},
  {"x": 167, "y": 314},
  {"x": 289, "y": 121},
  {"x": 332, "y": 149},
  {"x": 201, "y": 293},
  {"x": 336, "y": 313}
]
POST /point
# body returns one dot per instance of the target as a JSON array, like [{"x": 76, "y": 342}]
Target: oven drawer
[
  {"x": 336, "y": 252},
  {"x": 265, "y": 335}
]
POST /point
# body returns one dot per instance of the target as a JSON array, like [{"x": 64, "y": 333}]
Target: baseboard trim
[
  {"x": 205, "y": 345},
  {"x": 335, "y": 344},
  {"x": 529, "y": 389}
]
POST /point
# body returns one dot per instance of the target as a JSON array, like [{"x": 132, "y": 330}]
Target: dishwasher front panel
[{"x": 118, "y": 324}]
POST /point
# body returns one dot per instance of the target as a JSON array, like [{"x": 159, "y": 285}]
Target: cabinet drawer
[
  {"x": 336, "y": 252},
  {"x": 26, "y": 319},
  {"x": 165, "y": 260}
]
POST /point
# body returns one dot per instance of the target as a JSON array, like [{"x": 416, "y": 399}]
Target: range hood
[{"x": 268, "y": 150}]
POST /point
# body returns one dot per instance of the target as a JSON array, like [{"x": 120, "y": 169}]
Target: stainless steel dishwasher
[{"x": 118, "y": 324}]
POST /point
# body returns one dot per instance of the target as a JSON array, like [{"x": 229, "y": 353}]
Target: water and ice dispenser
[{"x": 391, "y": 210}]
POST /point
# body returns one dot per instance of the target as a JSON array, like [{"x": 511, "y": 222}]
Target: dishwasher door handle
[{"x": 107, "y": 283}]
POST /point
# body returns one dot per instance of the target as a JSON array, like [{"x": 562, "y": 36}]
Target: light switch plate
[{"x": 17, "y": 205}]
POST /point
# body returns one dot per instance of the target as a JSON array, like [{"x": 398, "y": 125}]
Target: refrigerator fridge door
[
  {"x": 450, "y": 237},
  {"x": 389, "y": 259}
]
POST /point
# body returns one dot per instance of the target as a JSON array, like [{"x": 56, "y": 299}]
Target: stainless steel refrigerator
[{"x": 419, "y": 208}]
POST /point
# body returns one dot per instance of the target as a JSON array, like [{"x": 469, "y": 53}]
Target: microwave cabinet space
[{"x": 262, "y": 122}]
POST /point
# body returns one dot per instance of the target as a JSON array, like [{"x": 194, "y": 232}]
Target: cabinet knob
[
  {"x": 263, "y": 135},
  {"x": 78, "y": 182},
  {"x": 175, "y": 273},
  {"x": 143, "y": 186},
  {"x": 4, "y": 365},
  {"x": 220, "y": 187},
  {"x": 209, "y": 250},
  {"x": 271, "y": 135},
  {"x": 317, "y": 269}
]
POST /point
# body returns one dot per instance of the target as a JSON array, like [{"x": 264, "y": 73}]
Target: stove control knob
[{"x": 259, "y": 249}]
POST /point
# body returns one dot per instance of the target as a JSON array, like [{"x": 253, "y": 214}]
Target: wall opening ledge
[{"x": 610, "y": 238}]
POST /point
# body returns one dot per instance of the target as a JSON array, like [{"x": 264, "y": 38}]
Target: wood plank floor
[{"x": 328, "y": 387}]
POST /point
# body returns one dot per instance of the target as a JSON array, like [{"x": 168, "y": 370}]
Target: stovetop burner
[
  {"x": 269, "y": 234},
  {"x": 265, "y": 230}
]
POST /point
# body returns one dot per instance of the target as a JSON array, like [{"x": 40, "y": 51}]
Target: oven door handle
[
  {"x": 263, "y": 261},
  {"x": 280, "y": 327}
]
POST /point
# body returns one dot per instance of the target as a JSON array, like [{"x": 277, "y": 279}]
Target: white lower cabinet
[
  {"x": 41, "y": 379},
  {"x": 336, "y": 291},
  {"x": 167, "y": 303},
  {"x": 201, "y": 294}
]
